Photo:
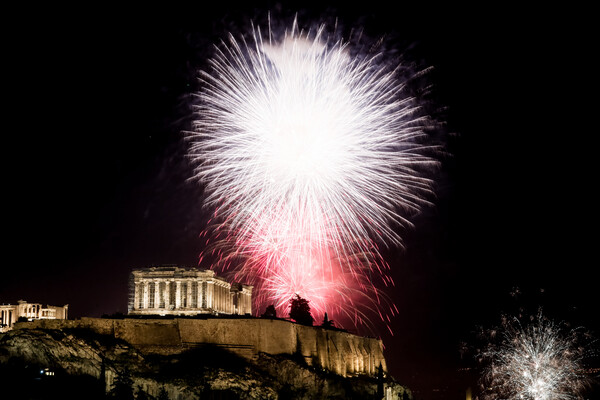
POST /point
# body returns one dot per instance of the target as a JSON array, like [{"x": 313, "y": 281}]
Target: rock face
[
  {"x": 78, "y": 362},
  {"x": 334, "y": 350}
]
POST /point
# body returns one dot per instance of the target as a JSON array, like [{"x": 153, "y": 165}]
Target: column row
[
  {"x": 6, "y": 317},
  {"x": 174, "y": 294}
]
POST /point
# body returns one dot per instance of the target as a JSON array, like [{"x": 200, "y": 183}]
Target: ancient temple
[
  {"x": 11, "y": 313},
  {"x": 173, "y": 290}
]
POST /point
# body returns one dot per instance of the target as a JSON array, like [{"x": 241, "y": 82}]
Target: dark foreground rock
[{"x": 81, "y": 364}]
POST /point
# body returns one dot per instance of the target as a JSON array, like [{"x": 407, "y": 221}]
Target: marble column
[
  {"x": 209, "y": 294},
  {"x": 199, "y": 295},
  {"x": 220, "y": 303},
  {"x": 167, "y": 295},
  {"x": 189, "y": 293},
  {"x": 223, "y": 300},
  {"x": 215, "y": 296},
  {"x": 156, "y": 294},
  {"x": 145, "y": 305},
  {"x": 136, "y": 295},
  {"x": 177, "y": 294},
  {"x": 220, "y": 298}
]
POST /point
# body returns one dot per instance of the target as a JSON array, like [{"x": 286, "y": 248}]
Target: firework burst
[
  {"x": 312, "y": 153},
  {"x": 538, "y": 361}
]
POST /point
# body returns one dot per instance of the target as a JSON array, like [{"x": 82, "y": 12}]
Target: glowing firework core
[{"x": 309, "y": 155}]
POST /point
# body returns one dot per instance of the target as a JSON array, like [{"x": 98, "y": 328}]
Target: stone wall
[{"x": 340, "y": 352}]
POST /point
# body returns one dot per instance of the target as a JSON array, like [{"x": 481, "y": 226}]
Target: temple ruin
[
  {"x": 172, "y": 290},
  {"x": 10, "y": 313}
]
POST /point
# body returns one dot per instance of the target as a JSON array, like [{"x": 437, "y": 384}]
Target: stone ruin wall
[{"x": 336, "y": 351}]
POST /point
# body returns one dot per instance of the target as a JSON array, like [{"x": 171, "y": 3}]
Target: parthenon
[{"x": 172, "y": 290}]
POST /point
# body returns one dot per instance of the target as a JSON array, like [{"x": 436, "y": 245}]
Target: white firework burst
[
  {"x": 298, "y": 130},
  {"x": 538, "y": 361},
  {"x": 309, "y": 149}
]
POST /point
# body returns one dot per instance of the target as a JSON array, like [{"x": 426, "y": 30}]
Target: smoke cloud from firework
[
  {"x": 312, "y": 154},
  {"x": 537, "y": 360}
]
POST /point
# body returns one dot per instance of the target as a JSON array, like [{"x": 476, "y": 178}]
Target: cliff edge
[{"x": 67, "y": 362}]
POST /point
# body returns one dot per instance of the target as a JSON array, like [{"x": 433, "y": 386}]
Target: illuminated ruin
[
  {"x": 171, "y": 290},
  {"x": 11, "y": 313}
]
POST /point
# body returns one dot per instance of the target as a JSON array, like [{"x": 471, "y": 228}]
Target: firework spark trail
[
  {"x": 307, "y": 153},
  {"x": 286, "y": 268},
  {"x": 539, "y": 361}
]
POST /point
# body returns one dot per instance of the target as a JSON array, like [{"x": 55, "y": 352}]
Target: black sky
[{"x": 95, "y": 176}]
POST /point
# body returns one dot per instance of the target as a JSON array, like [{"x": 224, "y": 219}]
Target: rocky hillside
[{"x": 81, "y": 364}]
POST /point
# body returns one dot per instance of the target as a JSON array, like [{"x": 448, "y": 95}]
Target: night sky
[{"x": 96, "y": 179}]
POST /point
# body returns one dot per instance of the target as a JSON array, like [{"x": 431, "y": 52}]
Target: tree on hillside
[
  {"x": 270, "y": 312},
  {"x": 300, "y": 310},
  {"x": 122, "y": 387}
]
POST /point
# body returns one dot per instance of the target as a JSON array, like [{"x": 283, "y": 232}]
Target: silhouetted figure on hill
[{"x": 327, "y": 323}]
